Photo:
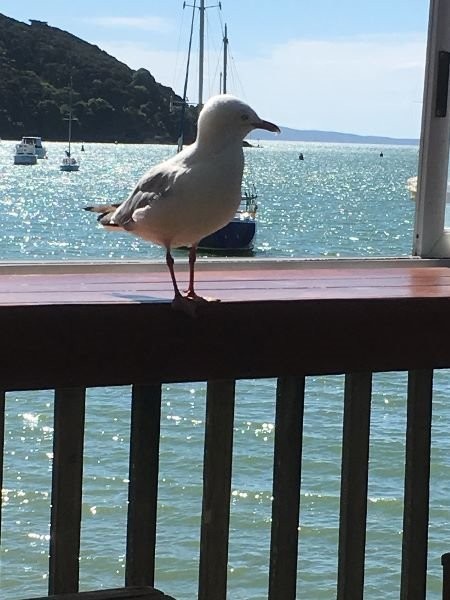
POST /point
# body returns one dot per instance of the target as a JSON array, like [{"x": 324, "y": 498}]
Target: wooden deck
[{"x": 121, "y": 328}]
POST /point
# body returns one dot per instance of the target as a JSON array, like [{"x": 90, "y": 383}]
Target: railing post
[
  {"x": 445, "y": 562},
  {"x": 143, "y": 486},
  {"x": 216, "y": 490},
  {"x": 286, "y": 488},
  {"x": 67, "y": 475},
  {"x": 354, "y": 477},
  {"x": 2, "y": 449},
  {"x": 417, "y": 483}
]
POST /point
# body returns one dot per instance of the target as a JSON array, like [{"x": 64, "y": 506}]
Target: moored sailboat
[
  {"x": 69, "y": 162},
  {"x": 239, "y": 234}
]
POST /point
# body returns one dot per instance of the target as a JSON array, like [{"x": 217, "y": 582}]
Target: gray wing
[{"x": 152, "y": 186}]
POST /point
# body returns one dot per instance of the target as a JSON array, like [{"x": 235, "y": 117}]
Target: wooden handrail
[{"x": 72, "y": 330}]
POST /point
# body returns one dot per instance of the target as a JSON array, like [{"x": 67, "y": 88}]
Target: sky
[{"x": 355, "y": 66}]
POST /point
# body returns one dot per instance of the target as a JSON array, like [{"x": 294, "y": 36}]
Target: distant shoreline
[
  {"x": 314, "y": 135},
  {"x": 339, "y": 138}
]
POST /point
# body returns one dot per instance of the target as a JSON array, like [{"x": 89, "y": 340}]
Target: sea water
[{"x": 341, "y": 201}]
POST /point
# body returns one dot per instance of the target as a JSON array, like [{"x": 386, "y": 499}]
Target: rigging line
[
  {"x": 177, "y": 55},
  {"x": 183, "y": 106},
  {"x": 217, "y": 50},
  {"x": 233, "y": 72},
  {"x": 208, "y": 54},
  {"x": 222, "y": 27}
]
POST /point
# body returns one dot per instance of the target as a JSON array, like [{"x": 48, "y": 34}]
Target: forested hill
[{"x": 110, "y": 100}]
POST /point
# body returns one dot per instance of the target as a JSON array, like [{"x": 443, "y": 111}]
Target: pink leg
[
  {"x": 185, "y": 303},
  {"x": 192, "y": 258},
  {"x": 170, "y": 263},
  {"x": 191, "y": 294}
]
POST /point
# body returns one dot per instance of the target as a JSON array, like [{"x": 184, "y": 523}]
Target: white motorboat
[
  {"x": 36, "y": 141},
  {"x": 25, "y": 154},
  {"x": 411, "y": 186}
]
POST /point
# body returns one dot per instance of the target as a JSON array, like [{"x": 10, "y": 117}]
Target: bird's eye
[{"x": 244, "y": 117}]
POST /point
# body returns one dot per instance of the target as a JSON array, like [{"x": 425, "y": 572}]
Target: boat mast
[
  {"x": 201, "y": 54},
  {"x": 225, "y": 53},
  {"x": 201, "y": 9},
  {"x": 69, "y": 118},
  {"x": 70, "y": 113},
  {"x": 184, "y": 101}
]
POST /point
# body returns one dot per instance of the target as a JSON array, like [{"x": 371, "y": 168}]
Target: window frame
[{"x": 431, "y": 239}]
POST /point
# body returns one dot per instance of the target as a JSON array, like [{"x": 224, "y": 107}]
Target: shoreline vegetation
[{"x": 111, "y": 102}]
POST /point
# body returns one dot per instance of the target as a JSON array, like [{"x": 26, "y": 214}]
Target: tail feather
[{"x": 105, "y": 212}]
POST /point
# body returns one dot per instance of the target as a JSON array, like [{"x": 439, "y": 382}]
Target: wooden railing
[{"x": 334, "y": 327}]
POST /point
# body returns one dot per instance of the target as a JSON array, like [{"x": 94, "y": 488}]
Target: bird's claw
[
  {"x": 189, "y": 303},
  {"x": 191, "y": 295},
  {"x": 185, "y": 305}
]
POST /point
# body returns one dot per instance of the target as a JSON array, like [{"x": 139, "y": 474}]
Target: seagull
[{"x": 195, "y": 192}]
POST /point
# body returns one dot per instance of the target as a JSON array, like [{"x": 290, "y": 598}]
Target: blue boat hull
[{"x": 236, "y": 235}]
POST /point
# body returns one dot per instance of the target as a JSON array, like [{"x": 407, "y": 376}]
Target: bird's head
[{"x": 229, "y": 116}]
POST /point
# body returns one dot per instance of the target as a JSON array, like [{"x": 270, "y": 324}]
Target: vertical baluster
[
  {"x": 2, "y": 449},
  {"x": 216, "y": 490},
  {"x": 286, "y": 488},
  {"x": 143, "y": 486},
  {"x": 354, "y": 478},
  {"x": 67, "y": 478},
  {"x": 417, "y": 482},
  {"x": 445, "y": 562}
]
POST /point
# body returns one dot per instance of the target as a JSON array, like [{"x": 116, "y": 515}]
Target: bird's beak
[{"x": 266, "y": 125}]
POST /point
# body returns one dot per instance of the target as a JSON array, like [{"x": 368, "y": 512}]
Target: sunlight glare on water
[{"x": 342, "y": 200}]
